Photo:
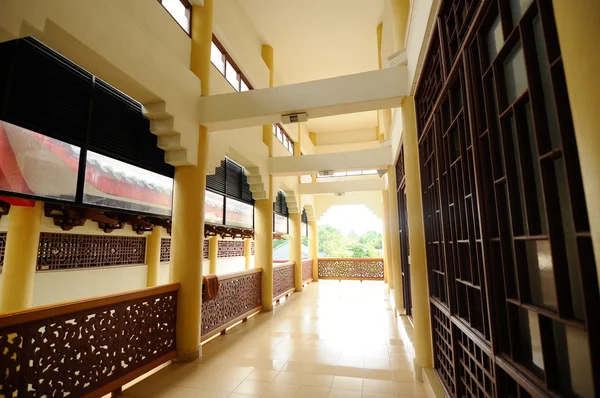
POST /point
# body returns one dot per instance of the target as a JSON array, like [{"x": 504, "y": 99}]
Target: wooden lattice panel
[
  {"x": 64, "y": 251},
  {"x": 351, "y": 268},
  {"x": 238, "y": 295},
  {"x": 230, "y": 248},
  {"x": 430, "y": 82},
  {"x": 475, "y": 367},
  {"x": 307, "y": 266},
  {"x": 2, "y": 247},
  {"x": 283, "y": 279},
  {"x": 252, "y": 247},
  {"x": 456, "y": 16},
  {"x": 78, "y": 352},
  {"x": 205, "y": 249},
  {"x": 165, "y": 250},
  {"x": 442, "y": 348}
]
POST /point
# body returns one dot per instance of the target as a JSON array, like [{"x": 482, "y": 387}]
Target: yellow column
[
  {"x": 263, "y": 257},
  {"x": 387, "y": 246},
  {"x": 213, "y": 252},
  {"x": 400, "y": 12},
  {"x": 296, "y": 248},
  {"x": 188, "y": 205},
  {"x": 20, "y": 257},
  {"x": 577, "y": 25},
  {"x": 263, "y": 230},
  {"x": 248, "y": 252},
  {"x": 313, "y": 243},
  {"x": 380, "y": 117},
  {"x": 395, "y": 238},
  {"x": 418, "y": 261},
  {"x": 153, "y": 256}
]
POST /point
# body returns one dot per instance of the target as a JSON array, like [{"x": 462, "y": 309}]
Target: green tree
[{"x": 334, "y": 243}]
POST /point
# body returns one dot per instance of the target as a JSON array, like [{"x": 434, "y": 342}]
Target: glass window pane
[
  {"x": 541, "y": 273},
  {"x": 216, "y": 57},
  {"x": 304, "y": 228},
  {"x": 232, "y": 76},
  {"x": 275, "y": 129},
  {"x": 281, "y": 224},
  {"x": 33, "y": 164},
  {"x": 354, "y": 173},
  {"x": 279, "y": 134},
  {"x": 531, "y": 341},
  {"x": 339, "y": 174},
  {"x": 518, "y": 8},
  {"x": 239, "y": 214},
  {"x": 284, "y": 140},
  {"x": 244, "y": 86},
  {"x": 369, "y": 172},
  {"x": 113, "y": 183},
  {"x": 573, "y": 359},
  {"x": 547, "y": 86},
  {"x": 495, "y": 39},
  {"x": 179, "y": 12},
  {"x": 213, "y": 208},
  {"x": 515, "y": 75},
  {"x": 291, "y": 147}
]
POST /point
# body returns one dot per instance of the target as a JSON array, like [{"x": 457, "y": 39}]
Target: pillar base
[
  {"x": 188, "y": 356},
  {"x": 418, "y": 369},
  {"x": 298, "y": 289},
  {"x": 267, "y": 308}
]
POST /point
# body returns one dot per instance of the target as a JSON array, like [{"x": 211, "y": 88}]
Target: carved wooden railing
[
  {"x": 239, "y": 297},
  {"x": 88, "y": 347},
  {"x": 283, "y": 280},
  {"x": 351, "y": 268},
  {"x": 307, "y": 266}
]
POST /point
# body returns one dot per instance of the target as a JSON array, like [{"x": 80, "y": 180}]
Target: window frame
[
  {"x": 228, "y": 60},
  {"x": 278, "y": 128},
  {"x": 188, "y": 14}
]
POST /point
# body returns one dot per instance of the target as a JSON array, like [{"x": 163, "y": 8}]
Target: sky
[{"x": 357, "y": 218}]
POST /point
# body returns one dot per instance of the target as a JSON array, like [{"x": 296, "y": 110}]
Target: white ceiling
[{"x": 319, "y": 39}]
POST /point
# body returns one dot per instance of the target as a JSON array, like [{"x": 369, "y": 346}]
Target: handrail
[
  {"x": 352, "y": 258},
  {"x": 52, "y": 310},
  {"x": 231, "y": 275},
  {"x": 286, "y": 264}
]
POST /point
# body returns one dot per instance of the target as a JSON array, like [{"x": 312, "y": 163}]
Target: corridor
[{"x": 335, "y": 339}]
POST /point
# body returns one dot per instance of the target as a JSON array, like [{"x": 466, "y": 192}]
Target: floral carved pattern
[
  {"x": 349, "y": 268},
  {"x": 76, "y": 353},
  {"x": 61, "y": 251},
  {"x": 2, "y": 247},
  {"x": 230, "y": 248},
  {"x": 307, "y": 269},
  {"x": 283, "y": 279},
  {"x": 205, "y": 249},
  {"x": 165, "y": 250},
  {"x": 238, "y": 295}
]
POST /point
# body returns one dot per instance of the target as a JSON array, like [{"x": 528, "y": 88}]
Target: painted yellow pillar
[
  {"x": 296, "y": 248},
  {"x": 20, "y": 257},
  {"x": 387, "y": 246},
  {"x": 248, "y": 252},
  {"x": 313, "y": 246},
  {"x": 213, "y": 253},
  {"x": 188, "y": 205},
  {"x": 380, "y": 121},
  {"x": 263, "y": 257},
  {"x": 153, "y": 256},
  {"x": 418, "y": 260},
  {"x": 578, "y": 34},
  {"x": 394, "y": 231},
  {"x": 263, "y": 229},
  {"x": 400, "y": 13}
]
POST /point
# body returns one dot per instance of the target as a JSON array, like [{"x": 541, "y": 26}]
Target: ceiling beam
[
  {"x": 367, "y": 91},
  {"x": 352, "y": 185},
  {"x": 367, "y": 159}
]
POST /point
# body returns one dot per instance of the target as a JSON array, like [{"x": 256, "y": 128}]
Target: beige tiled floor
[{"x": 332, "y": 340}]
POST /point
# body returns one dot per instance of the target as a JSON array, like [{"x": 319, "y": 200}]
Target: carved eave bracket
[
  {"x": 227, "y": 232},
  {"x": 4, "y": 208}
]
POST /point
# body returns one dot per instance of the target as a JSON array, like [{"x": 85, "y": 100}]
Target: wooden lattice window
[
  {"x": 404, "y": 234},
  {"x": 165, "y": 250},
  {"x": 510, "y": 258},
  {"x": 66, "y": 251},
  {"x": 2, "y": 247}
]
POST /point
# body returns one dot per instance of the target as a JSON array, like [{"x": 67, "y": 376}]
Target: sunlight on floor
[{"x": 335, "y": 339}]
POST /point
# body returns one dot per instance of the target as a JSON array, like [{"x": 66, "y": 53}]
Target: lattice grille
[
  {"x": 230, "y": 248},
  {"x": 475, "y": 371},
  {"x": 77, "y": 353},
  {"x": 307, "y": 269},
  {"x": 237, "y": 296},
  {"x": 283, "y": 279},
  {"x": 252, "y": 248},
  {"x": 205, "y": 249},
  {"x": 456, "y": 15},
  {"x": 349, "y": 268},
  {"x": 2, "y": 247},
  {"x": 165, "y": 250},
  {"x": 430, "y": 83},
  {"x": 64, "y": 251},
  {"x": 442, "y": 348}
]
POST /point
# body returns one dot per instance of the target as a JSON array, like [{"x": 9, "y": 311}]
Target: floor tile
[
  {"x": 347, "y": 383},
  {"x": 317, "y": 380},
  {"x": 252, "y": 387},
  {"x": 289, "y": 377},
  {"x": 264, "y": 375},
  {"x": 378, "y": 386},
  {"x": 312, "y": 392},
  {"x": 281, "y": 390},
  {"x": 335, "y": 393}
]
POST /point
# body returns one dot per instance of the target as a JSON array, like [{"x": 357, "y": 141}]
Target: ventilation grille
[
  {"x": 230, "y": 180},
  {"x": 280, "y": 205}
]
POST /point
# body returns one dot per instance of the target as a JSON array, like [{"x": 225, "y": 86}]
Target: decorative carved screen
[
  {"x": 283, "y": 280},
  {"x": 65, "y": 251},
  {"x": 2, "y": 247},
  {"x": 307, "y": 269},
  {"x": 512, "y": 276},
  {"x": 165, "y": 250},
  {"x": 351, "y": 268},
  {"x": 230, "y": 248}
]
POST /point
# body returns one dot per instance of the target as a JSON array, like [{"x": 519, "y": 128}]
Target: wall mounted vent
[{"x": 294, "y": 118}]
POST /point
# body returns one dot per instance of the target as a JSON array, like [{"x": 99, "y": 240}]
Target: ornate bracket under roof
[
  {"x": 4, "y": 208},
  {"x": 227, "y": 232}
]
